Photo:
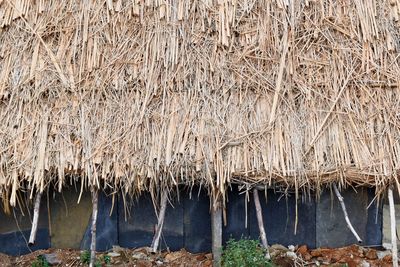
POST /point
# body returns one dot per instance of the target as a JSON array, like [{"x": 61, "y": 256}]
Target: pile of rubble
[{"x": 350, "y": 256}]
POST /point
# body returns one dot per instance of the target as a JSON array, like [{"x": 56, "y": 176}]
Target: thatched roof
[{"x": 132, "y": 94}]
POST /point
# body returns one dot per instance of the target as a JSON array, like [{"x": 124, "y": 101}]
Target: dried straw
[{"x": 134, "y": 95}]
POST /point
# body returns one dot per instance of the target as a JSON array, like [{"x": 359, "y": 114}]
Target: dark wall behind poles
[{"x": 188, "y": 225}]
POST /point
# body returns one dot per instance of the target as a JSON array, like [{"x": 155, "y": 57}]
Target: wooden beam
[{"x": 216, "y": 229}]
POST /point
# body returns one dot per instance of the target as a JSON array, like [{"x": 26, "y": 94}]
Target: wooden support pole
[
  {"x": 36, "y": 210},
  {"x": 346, "y": 216},
  {"x": 93, "y": 230},
  {"x": 260, "y": 221},
  {"x": 393, "y": 228},
  {"x": 216, "y": 229},
  {"x": 161, "y": 216}
]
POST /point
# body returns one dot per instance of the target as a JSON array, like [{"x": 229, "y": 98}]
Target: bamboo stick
[
  {"x": 393, "y": 230},
  {"x": 161, "y": 217},
  {"x": 93, "y": 230},
  {"x": 260, "y": 221},
  {"x": 35, "y": 220},
  {"x": 346, "y": 216}
]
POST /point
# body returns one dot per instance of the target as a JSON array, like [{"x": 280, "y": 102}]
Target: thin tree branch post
[
  {"x": 93, "y": 230},
  {"x": 36, "y": 210},
  {"x": 393, "y": 228},
  {"x": 161, "y": 216},
  {"x": 216, "y": 229},
  {"x": 260, "y": 221},
  {"x": 346, "y": 216}
]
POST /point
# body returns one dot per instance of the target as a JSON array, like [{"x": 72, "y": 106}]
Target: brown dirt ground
[{"x": 350, "y": 256}]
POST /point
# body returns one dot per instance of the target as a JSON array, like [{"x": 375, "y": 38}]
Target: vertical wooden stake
[
  {"x": 161, "y": 216},
  {"x": 216, "y": 228},
  {"x": 260, "y": 221},
  {"x": 393, "y": 228},
  {"x": 36, "y": 210},
  {"x": 94, "y": 220}
]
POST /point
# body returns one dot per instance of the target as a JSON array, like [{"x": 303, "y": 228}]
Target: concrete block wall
[{"x": 66, "y": 224}]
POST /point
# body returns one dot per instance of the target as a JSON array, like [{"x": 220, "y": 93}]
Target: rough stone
[
  {"x": 52, "y": 259},
  {"x": 319, "y": 252},
  {"x": 382, "y": 254},
  {"x": 387, "y": 257},
  {"x": 303, "y": 252},
  {"x": 207, "y": 263},
  {"x": 276, "y": 250},
  {"x": 387, "y": 246},
  {"x": 174, "y": 255},
  {"x": 278, "y": 247},
  {"x": 371, "y": 254},
  {"x": 113, "y": 254},
  {"x": 302, "y": 249},
  {"x": 291, "y": 255},
  {"x": 137, "y": 255}
]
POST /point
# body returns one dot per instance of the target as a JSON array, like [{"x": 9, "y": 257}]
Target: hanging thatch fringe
[{"x": 126, "y": 92}]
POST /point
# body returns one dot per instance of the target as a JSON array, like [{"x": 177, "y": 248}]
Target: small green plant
[
  {"x": 85, "y": 257},
  {"x": 107, "y": 259},
  {"x": 40, "y": 262},
  {"x": 244, "y": 253}
]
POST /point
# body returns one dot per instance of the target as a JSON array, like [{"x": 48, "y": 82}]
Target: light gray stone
[
  {"x": 113, "y": 254},
  {"x": 276, "y": 250},
  {"x": 52, "y": 259},
  {"x": 291, "y": 255},
  {"x": 139, "y": 256},
  {"x": 387, "y": 246},
  {"x": 382, "y": 254}
]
